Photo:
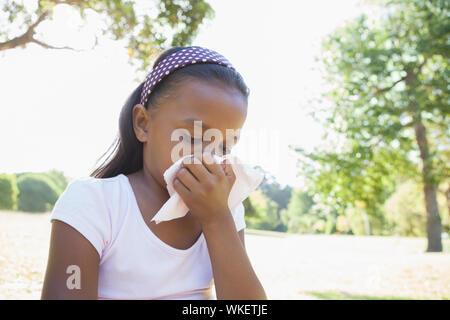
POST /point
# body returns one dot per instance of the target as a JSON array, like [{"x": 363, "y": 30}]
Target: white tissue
[{"x": 247, "y": 180}]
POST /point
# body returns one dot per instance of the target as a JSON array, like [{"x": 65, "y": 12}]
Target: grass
[
  {"x": 289, "y": 266},
  {"x": 336, "y": 295}
]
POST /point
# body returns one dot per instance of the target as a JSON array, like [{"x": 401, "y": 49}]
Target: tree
[
  {"x": 265, "y": 212},
  {"x": 250, "y": 210},
  {"x": 405, "y": 210},
  {"x": 37, "y": 192},
  {"x": 275, "y": 192},
  {"x": 59, "y": 179},
  {"x": 299, "y": 216},
  {"x": 389, "y": 87},
  {"x": 146, "y": 33},
  {"x": 271, "y": 188},
  {"x": 8, "y": 192}
]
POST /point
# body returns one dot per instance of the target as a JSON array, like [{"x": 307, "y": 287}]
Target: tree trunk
[
  {"x": 434, "y": 225},
  {"x": 366, "y": 224},
  {"x": 447, "y": 195}
]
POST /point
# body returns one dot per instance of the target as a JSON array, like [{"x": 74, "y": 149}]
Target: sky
[{"x": 59, "y": 109}]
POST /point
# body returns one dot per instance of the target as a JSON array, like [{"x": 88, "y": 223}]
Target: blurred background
[{"x": 353, "y": 96}]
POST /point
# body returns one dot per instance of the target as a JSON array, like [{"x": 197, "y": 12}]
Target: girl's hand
[{"x": 205, "y": 187}]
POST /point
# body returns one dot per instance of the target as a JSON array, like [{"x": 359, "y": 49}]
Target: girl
[{"x": 103, "y": 245}]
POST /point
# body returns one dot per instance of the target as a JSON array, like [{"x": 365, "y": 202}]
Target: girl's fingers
[
  {"x": 180, "y": 188},
  {"x": 211, "y": 164},
  {"x": 187, "y": 178},
  {"x": 195, "y": 166},
  {"x": 228, "y": 169}
]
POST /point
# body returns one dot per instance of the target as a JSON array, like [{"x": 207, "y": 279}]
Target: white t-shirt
[{"x": 134, "y": 262}]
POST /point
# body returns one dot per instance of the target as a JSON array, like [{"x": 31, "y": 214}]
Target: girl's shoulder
[
  {"x": 101, "y": 197},
  {"x": 93, "y": 207},
  {"x": 88, "y": 180},
  {"x": 90, "y": 187}
]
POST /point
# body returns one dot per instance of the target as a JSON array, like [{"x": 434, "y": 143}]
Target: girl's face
[{"x": 215, "y": 105}]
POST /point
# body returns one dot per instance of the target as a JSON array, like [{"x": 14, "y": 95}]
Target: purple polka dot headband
[{"x": 177, "y": 60}]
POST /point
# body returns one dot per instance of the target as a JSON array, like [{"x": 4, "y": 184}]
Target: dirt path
[{"x": 289, "y": 266}]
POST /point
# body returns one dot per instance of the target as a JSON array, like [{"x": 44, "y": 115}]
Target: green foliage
[
  {"x": 37, "y": 192},
  {"x": 265, "y": 215},
  {"x": 303, "y": 215},
  {"x": 271, "y": 188},
  {"x": 59, "y": 180},
  {"x": 273, "y": 191},
  {"x": 249, "y": 209},
  {"x": 147, "y": 27},
  {"x": 387, "y": 77},
  {"x": 405, "y": 210},
  {"x": 8, "y": 192},
  {"x": 299, "y": 205},
  {"x": 341, "y": 181},
  {"x": 357, "y": 219},
  {"x": 343, "y": 225}
]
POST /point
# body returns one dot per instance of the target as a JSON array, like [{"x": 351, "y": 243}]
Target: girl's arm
[
  {"x": 205, "y": 188},
  {"x": 72, "y": 268},
  {"x": 234, "y": 277}
]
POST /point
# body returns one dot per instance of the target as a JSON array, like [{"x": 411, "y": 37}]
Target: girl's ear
[{"x": 141, "y": 121}]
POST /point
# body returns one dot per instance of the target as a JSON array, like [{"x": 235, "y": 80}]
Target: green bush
[
  {"x": 265, "y": 215},
  {"x": 59, "y": 180},
  {"x": 8, "y": 192},
  {"x": 405, "y": 210},
  {"x": 356, "y": 218},
  {"x": 365, "y": 221},
  {"x": 330, "y": 224},
  {"x": 296, "y": 217},
  {"x": 37, "y": 192},
  {"x": 343, "y": 225},
  {"x": 308, "y": 223}
]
